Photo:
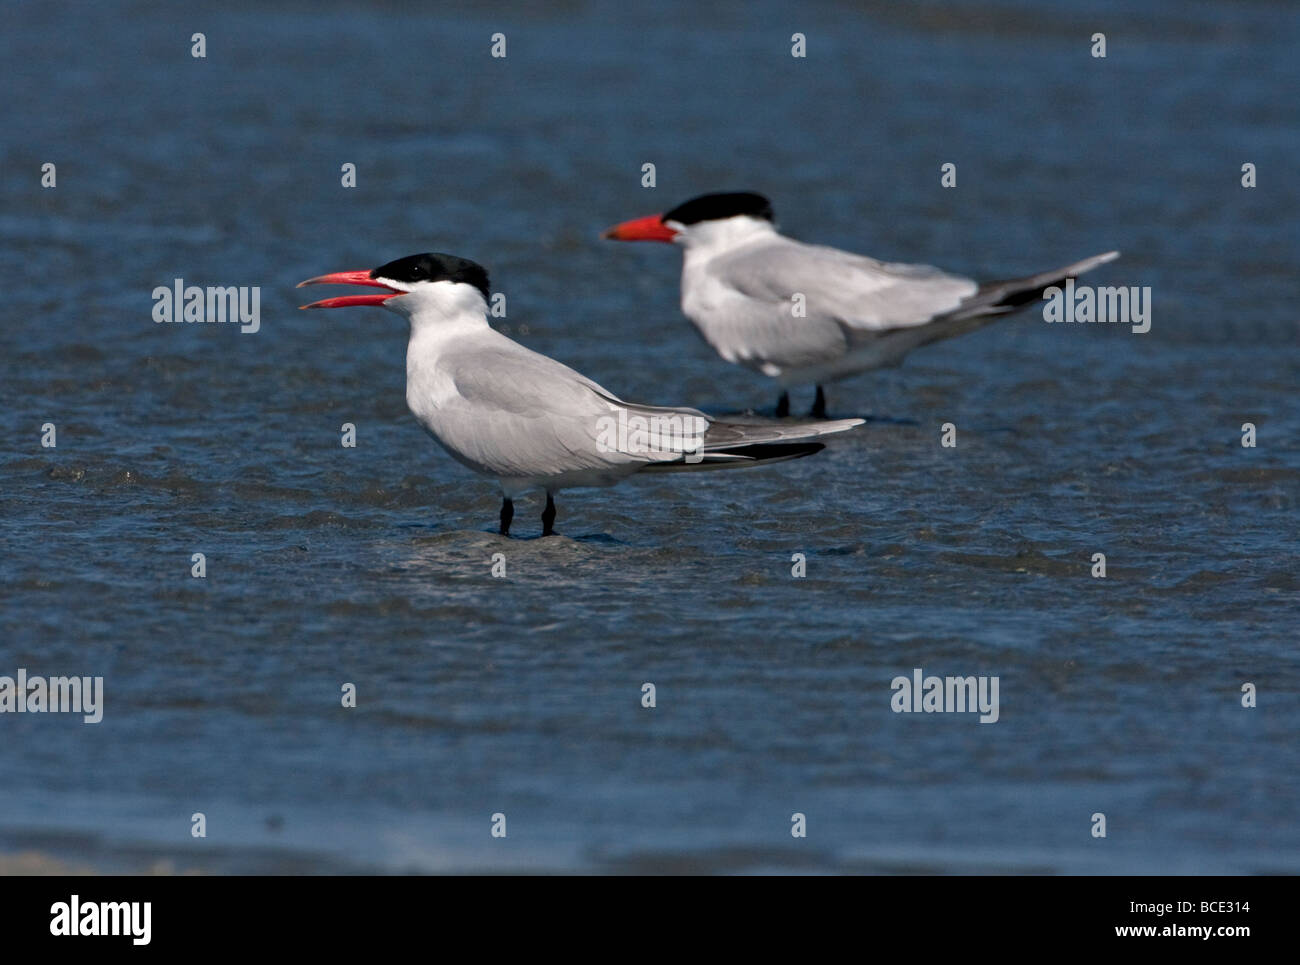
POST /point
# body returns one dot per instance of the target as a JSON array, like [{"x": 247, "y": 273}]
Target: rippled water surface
[{"x": 522, "y": 695}]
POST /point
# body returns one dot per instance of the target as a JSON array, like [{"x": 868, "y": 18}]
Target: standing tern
[
  {"x": 527, "y": 420},
  {"x": 805, "y": 313}
]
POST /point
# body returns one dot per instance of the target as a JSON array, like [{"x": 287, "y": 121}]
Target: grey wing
[
  {"x": 522, "y": 414},
  {"x": 860, "y": 294}
]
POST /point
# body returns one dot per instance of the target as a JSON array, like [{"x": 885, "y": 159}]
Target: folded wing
[{"x": 520, "y": 414}]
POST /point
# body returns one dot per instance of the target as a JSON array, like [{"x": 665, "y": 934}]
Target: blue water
[{"x": 371, "y": 565}]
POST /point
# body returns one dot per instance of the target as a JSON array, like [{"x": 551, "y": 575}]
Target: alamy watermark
[
  {"x": 130, "y": 919},
  {"x": 945, "y": 695},
  {"x": 219, "y": 304},
  {"x": 1124, "y": 306},
  {"x": 53, "y": 695},
  {"x": 654, "y": 435}
]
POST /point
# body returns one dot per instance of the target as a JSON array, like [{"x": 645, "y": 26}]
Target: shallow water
[{"x": 522, "y": 695}]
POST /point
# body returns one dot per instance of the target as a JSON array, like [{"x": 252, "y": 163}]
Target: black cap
[
  {"x": 714, "y": 207},
  {"x": 435, "y": 266}
]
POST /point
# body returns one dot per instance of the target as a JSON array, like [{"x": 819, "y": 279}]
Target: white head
[{"x": 426, "y": 288}]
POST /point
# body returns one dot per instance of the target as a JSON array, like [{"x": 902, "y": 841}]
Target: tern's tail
[
  {"x": 740, "y": 456},
  {"x": 993, "y": 300},
  {"x": 1004, "y": 296},
  {"x": 733, "y": 444}
]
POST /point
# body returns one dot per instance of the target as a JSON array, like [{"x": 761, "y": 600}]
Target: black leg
[
  {"x": 507, "y": 514},
  {"x": 819, "y": 405},
  {"x": 783, "y": 405},
  {"x": 548, "y": 517}
]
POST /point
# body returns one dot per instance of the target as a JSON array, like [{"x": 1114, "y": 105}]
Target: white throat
[
  {"x": 441, "y": 307},
  {"x": 447, "y": 318}
]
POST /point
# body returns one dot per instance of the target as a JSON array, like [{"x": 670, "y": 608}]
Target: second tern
[{"x": 805, "y": 313}]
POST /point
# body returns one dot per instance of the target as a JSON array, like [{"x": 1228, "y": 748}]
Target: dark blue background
[{"x": 370, "y": 565}]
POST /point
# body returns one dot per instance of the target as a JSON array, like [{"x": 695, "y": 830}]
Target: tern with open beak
[{"x": 528, "y": 421}]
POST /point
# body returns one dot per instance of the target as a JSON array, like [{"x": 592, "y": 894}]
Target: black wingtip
[{"x": 767, "y": 451}]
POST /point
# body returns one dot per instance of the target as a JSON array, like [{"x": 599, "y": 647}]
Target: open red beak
[
  {"x": 650, "y": 228},
  {"x": 350, "y": 278}
]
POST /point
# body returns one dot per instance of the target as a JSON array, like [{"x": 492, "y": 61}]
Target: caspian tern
[
  {"x": 741, "y": 282},
  {"x": 527, "y": 420}
]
